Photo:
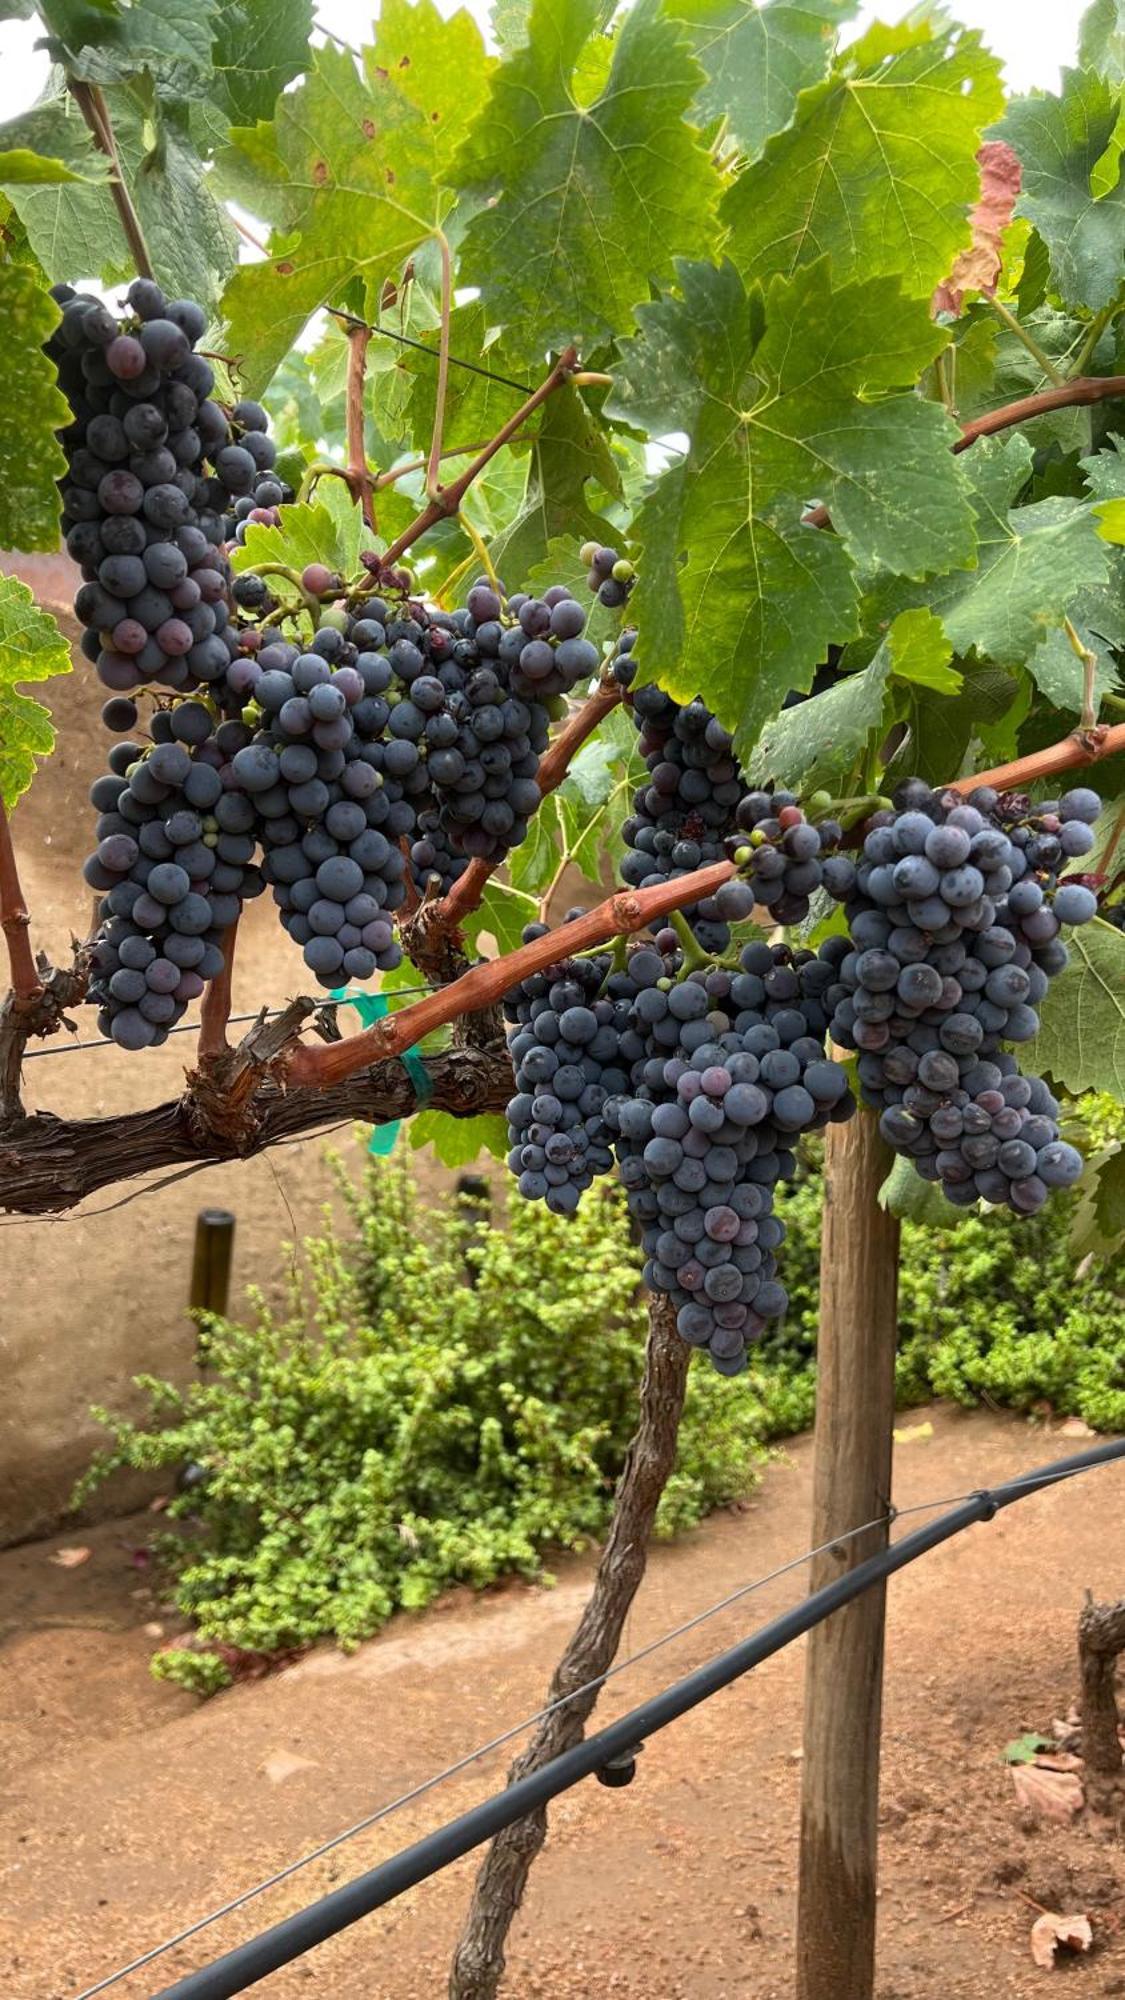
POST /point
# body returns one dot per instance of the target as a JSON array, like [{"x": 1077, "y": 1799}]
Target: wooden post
[
  {"x": 844, "y": 1663},
  {"x": 210, "y": 1266}
]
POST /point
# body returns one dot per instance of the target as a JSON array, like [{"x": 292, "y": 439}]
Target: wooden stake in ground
[
  {"x": 852, "y": 1483},
  {"x": 478, "y": 1964}
]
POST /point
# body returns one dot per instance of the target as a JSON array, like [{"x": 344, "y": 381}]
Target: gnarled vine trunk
[
  {"x": 478, "y": 1964},
  {"x": 1101, "y": 1640}
]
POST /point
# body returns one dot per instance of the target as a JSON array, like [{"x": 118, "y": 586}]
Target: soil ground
[{"x": 130, "y": 1808}]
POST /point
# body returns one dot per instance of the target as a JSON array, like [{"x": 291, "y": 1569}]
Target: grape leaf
[
  {"x": 348, "y": 174},
  {"x": 31, "y": 649},
  {"x": 475, "y": 405},
  {"x": 32, "y": 409},
  {"x": 758, "y": 58},
  {"x": 457, "y": 1141},
  {"x": 879, "y": 167},
  {"x": 907, "y": 1195},
  {"x": 737, "y": 598},
  {"x": 815, "y": 744},
  {"x": 502, "y": 914},
  {"x": 569, "y": 451},
  {"x": 168, "y": 38},
  {"x": 532, "y": 864},
  {"x": 330, "y": 531},
  {"x": 1099, "y": 1218},
  {"x": 1081, "y": 1039},
  {"x": 20, "y": 167},
  {"x": 1033, "y": 563},
  {"x": 1060, "y": 141},
  {"x": 1101, "y": 39},
  {"x": 259, "y": 47},
  {"x": 74, "y": 228},
  {"x": 1055, "y": 667},
  {"x": 586, "y": 201}
]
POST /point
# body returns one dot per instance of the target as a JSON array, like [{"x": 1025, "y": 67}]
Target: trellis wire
[{"x": 1032, "y": 1482}]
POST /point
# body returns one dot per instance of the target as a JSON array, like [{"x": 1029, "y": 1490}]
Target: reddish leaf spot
[
  {"x": 320, "y": 172},
  {"x": 435, "y": 117},
  {"x": 284, "y": 269},
  {"x": 382, "y": 74},
  {"x": 404, "y": 62},
  {"x": 390, "y": 177},
  {"x": 368, "y": 128}
]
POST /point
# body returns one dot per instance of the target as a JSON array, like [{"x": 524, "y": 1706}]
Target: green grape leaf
[
  {"x": 758, "y": 58},
  {"x": 1060, "y": 141},
  {"x": 458, "y": 1141},
  {"x": 259, "y": 47},
  {"x": 904, "y": 1193},
  {"x": 20, "y": 167},
  {"x": 1081, "y": 1039},
  {"x": 503, "y": 912},
  {"x": 879, "y": 168},
  {"x": 31, "y": 649},
  {"x": 475, "y": 405},
  {"x": 738, "y": 599},
  {"x": 1055, "y": 667},
  {"x": 74, "y": 227},
  {"x": 815, "y": 744},
  {"x": 586, "y": 201},
  {"x": 1034, "y": 563},
  {"x": 169, "y": 38},
  {"x": 330, "y": 531},
  {"x": 532, "y": 864},
  {"x": 349, "y": 174},
  {"x": 943, "y": 727},
  {"x": 1099, "y": 1218},
  {"x": 32, "y": 409},
  {"x": 1101, "y": 40},
  {"x": 569, "y": 451}
]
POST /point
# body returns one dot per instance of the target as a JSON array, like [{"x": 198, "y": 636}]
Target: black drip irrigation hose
[{"x": 295, "y": 1935}]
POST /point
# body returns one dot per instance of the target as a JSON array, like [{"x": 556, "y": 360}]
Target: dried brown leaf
[
  {"x": 1058, "y": 1760},
  {"x": 978, "y": 268},
  {"x": 1049, "y": 1933},
  {"x": 1050, "y": 1794},
  {"x": 70, "y": 1558}
]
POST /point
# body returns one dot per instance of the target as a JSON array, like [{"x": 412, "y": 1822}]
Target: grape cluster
[
  {"x": 699, "y": 1083},
  {"x": 173, "y": 865},
  {"x": 142, "y": 513},
  {"x": 955, "y": 910},
  {"x": 566, "y": 1053},
  {"x": 610, "y": 576},
  {"x": 314, "y": 777},
  {"x": 728, "y": 1070},
  {"x": 681, "y": 818}
]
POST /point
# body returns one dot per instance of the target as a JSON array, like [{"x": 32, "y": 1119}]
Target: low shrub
[{"x": 441, "y": 1402}]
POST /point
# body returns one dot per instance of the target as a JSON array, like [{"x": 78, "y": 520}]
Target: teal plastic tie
[{"x": 371, "y": 1007}]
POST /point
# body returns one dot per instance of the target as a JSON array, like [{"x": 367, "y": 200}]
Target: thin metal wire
[
  {"x": 192, "y": 1027},
  {"x": 887, "y": 1519},
  {"x": 407, "y": 340}
]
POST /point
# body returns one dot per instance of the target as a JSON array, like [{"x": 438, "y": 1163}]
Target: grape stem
[
  {"x": 467, "y": 891},
  {"x": 359, "y": 474},
  {"x": 1027, "y": 340},
  {"x": 695, "y": 958},
  {"x": 625, "y": 911},
  {"x": 433, "y": 463},
  {"x": 1089, "y": 716},
  {"x": 15, "y": 922},
  {"x": 214, "y": 1009},
  {"x": 450, "y": 497},
  {"x": 91, "y": 103}
]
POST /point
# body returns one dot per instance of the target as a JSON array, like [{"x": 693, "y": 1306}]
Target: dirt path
[{"x": 130, "y": 1809}]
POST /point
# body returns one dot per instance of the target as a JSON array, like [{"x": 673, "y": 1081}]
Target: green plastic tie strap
[{"x": 371, "y": 1007}]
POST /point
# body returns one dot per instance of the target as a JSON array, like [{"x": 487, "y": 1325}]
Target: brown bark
[
  {"x": 1101, "y": 1638},
  {"x": 478, "y": 1964},
  {"x": 49, "y": 1164},
  {"x": 844, "y": 1665}
]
